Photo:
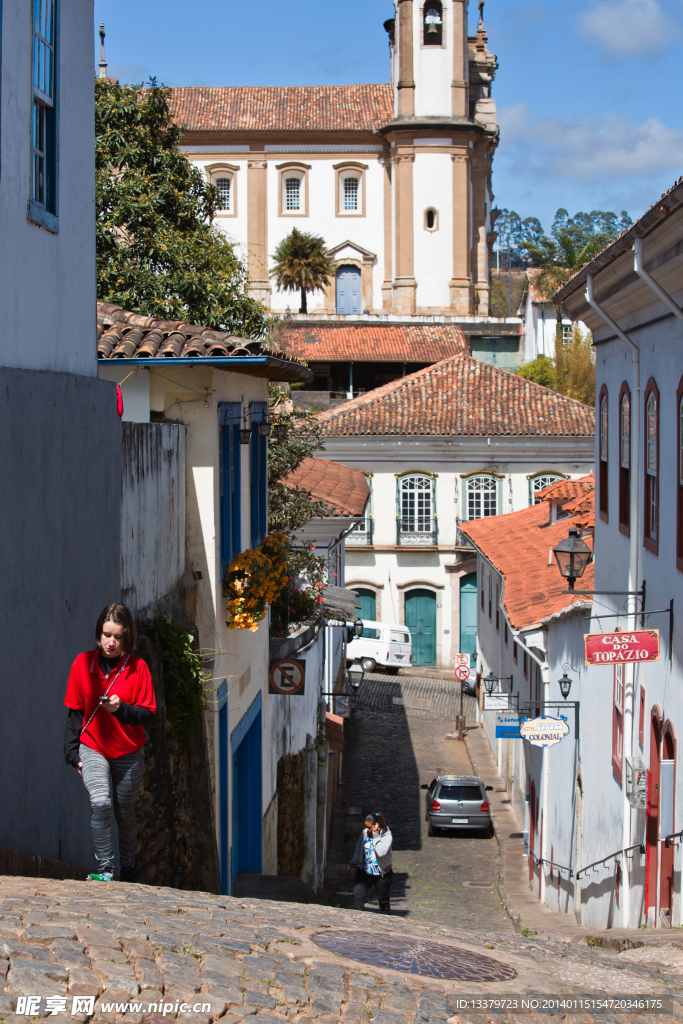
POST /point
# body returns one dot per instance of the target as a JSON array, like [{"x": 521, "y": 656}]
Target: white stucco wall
[
  {"x": 433, "y": 187},
  {"x": 48, "y": 279},
  {"x": 433, "y": 65}
]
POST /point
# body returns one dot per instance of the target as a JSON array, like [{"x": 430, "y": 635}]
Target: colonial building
[
  {"x": 457, "y": 441},
  {"x": 395, "y": 177},
  {"x": 540, "y": 321}
]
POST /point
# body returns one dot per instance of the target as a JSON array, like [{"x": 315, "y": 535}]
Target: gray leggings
[{"x": 126, "y": 775}]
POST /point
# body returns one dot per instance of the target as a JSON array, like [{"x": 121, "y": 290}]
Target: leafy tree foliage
[
  {"x": 291, "y": 508},
  {"x": 302, "y": 264},
  {"x": 513, "y": 232},
  {"x": 158, "y": 252},
  {"x": 571, "y": 372}
]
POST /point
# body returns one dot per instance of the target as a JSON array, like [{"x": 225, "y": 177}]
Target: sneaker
[
  {"x": 106, "y": 876},
  {"x": 128, "y": 874}
]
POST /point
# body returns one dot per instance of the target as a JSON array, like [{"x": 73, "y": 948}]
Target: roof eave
[{"x": 253, "y": 366}]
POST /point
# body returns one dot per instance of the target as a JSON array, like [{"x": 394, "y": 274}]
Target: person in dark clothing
[
  {"x": 371, "y": 863},
  {"x": 110, "y": 697}
]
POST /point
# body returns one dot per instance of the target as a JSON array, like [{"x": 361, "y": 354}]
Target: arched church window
[
  {"x": 431, "y": 219},
  {"x": 292, "y": 193},
  {"x": 433, "y": 23},
  {"x": 293, "y": 190},
  {"x": 224, "y": 178},
  {"x": 224, "y": 186},
  {"x": 350, "y": 189}
]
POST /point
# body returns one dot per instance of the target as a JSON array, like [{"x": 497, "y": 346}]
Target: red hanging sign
[{"x": 621, "y": 648}]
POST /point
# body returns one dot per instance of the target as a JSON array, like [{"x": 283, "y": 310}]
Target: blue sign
[{"x": 507, "y": 726}]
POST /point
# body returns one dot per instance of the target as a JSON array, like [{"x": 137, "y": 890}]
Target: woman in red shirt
[{"x": 110, "y": 697}]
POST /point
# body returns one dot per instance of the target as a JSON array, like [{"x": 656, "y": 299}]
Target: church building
[{"x": 395, "y": 177}]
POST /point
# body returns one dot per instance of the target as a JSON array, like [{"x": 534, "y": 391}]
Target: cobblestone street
[{"x": 395, "y": 741}]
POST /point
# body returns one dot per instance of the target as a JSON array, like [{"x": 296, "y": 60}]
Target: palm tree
[{"x": 301, "y": 263}]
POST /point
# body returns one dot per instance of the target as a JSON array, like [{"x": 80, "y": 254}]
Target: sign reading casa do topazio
[
  {"x": 544, "y": 731},
  {"x": 619, "y": 648}
]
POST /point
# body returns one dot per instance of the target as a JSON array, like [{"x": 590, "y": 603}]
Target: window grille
[
  {"x": 652, "y": 435},
  {"x": 416, "y": 511},
  {"x": 603, "y": 469},
  {"x": 350, "y": 193},
  {"x": 361, "y": 535},
  {"x": 482, "y": 497},
  {"x": 618, "y": 725},
  {"x": 603, "y": 428},
  {"x": 567, "y": 332},
  {"x": 625, "y": 432},
  {"x": 43, "y": 113},
  {"x": 224, "y": 186},
  {"x": 292, "y": 193},
  {"x": 539, "y": 482},
  {"x": 651, "y": 468},
  {"x": 625, "y": 461}
]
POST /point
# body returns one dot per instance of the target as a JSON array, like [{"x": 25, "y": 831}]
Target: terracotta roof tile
[
  {"x": 461, "y": 396},
  {"x": 563, "y": 490},
  {"x": 362, "y": 342},
  {"x": 344, "y": 490},
  {"x": 518, "y": 545},
  {"x": 124, "y": 335},
  {"x": 344, "y": 108}
]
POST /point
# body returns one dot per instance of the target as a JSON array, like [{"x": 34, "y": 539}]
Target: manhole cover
[{"x": 414, "y": 956}]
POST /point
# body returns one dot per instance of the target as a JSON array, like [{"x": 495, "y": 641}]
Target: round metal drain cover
[{"x": 413, "y": 956}]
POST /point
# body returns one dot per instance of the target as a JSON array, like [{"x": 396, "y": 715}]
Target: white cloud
[
  {"x": 628, "y": 28},
  {"x": 587, "y": 148}
]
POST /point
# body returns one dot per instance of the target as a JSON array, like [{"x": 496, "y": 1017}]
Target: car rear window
[
  {"x": 400, "y": 638},
  {"x": 369, "y": 633},
  {"x": 460, "y": 793}
]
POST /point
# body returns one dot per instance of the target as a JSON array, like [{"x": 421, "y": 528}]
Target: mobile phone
[{"x": 104, "y": 700}]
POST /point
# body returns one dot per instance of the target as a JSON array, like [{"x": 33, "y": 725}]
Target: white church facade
[{"x": 395, "y": 177}]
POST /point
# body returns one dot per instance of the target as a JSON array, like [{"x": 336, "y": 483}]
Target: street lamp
[
  {"x": 358, "y": 627},
  {"x": 281, "y": 430},
  {"x": 263, "y": 428},
  {"x": 489, "y": 682},
  {"x": 572, "y": 556},
  {"x": 356, "y": 674},
  {"x": 565, "y": 685}
]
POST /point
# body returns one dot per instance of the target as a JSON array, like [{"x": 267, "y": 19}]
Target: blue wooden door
[
  {"x": 368, "y": 605},
  {"x": 421, "y": 621},
  {"x": 247, "y": 828},
  {"x": 223, "y": 795},
  {"x": 468, "y": 614},
  {"x": 348, "y": 289}
]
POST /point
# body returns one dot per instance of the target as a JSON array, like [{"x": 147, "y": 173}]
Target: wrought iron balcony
[
  {"x": 461, "y": 539},
  {"x": 361, "y": 535},
  {"x": 419, "y": 531}
]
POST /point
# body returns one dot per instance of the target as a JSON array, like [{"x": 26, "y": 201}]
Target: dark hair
[
  {"x": 119, "y": 614},
  {"x": 376, "y": 818}
]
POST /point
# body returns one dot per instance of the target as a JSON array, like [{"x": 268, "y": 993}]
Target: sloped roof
[
  {"x": 461, "y": 396},
  {"x": 344, "y": 490},
  {"x": 367, "y": 342},
  {"x": 562, "y": 490},
  {"x": 518, "y": 546},
  {"x": 125, "y": 335},
  {"x": 341, "y": 108}
]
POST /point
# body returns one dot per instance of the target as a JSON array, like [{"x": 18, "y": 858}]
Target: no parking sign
[{"x": 287, "y": 677}]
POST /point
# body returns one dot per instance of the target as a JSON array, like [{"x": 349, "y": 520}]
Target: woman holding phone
[
  {"x": 110, "y": 697},
  {"x": 371, "y": 864}
]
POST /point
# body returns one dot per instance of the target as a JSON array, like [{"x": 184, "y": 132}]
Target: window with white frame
[
  {"x": 350, "y": 185},
  {"x": 362, "y": 533},
  {"x": 567, "y": 332},
  {"x": 416, "y": 509},
  {"x": 482, "y": 496},
  {"x": 43, "y": 116},
  {"x": 618, "y": 719},
  {"x": 625, "y": 459},
  {"x": 292, "y": 192},
  {"x": 223, "y": 183},
  {"x": 351, "y": 192},
  {"x": 603, "y": 467},
  {"x": 538, "y": 483}
]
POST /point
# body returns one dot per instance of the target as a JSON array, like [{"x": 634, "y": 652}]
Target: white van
[{"x": 382, "y": 643}]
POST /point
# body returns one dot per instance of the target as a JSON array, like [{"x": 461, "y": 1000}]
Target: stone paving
[
  {"x": 390, "y": 750},
  {"x": 134, "y": 953}
]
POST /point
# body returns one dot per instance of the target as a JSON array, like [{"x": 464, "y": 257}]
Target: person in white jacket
[{"x": 371, "y": 863}]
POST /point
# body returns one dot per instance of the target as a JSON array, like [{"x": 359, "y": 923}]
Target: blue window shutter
[
  {"x": 236, "y": 490},
  {"x": 259, "y": 475},
  {"x": 229, "y": 482}
]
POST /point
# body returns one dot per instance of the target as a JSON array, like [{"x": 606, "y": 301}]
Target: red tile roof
[
  {"x": 519, "y": 546},
  {"x": 562, "y": 490},
  {"x": 125, "y": 335},
  {"x": 461, "y": 396},
  {"x": 363, "y": 342},
  {"x": 339, "y": 108},
  {"x": 344, "y": 490}
]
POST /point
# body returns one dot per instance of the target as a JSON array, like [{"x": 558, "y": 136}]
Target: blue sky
[{"x": 588, "y": 94}]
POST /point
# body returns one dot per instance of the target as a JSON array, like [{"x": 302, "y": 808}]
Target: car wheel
[
  {"x": 368, "y": 664},
  {"x": 431, "y": 831}
]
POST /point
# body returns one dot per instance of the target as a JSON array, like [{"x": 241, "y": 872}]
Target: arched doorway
[
  {"x": 652, "y": 829},
  {"x": 368, "y": 603},
  {"x": 420, "y": 617},
  {"x": 666, "y": 876},
  {"x": 348, "y": 289},
  {"x": 468, "y": 614},
  {"x": 532, "y": 828}
]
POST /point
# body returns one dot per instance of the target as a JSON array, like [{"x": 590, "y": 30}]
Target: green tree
[
  {"x": 290, "y": 508},
  {"x": 571, "y": 372},
  {"x": 158, "y": 252},
  {"x": 302, "y": 264}
]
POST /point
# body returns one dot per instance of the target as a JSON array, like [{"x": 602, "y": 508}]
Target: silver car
[{"x": 457, "y": 802}]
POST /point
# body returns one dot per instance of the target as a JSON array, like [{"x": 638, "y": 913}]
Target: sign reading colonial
[
  {"x": 618, "y": 648},
  {"x": 544, "y": 731},
  {"x": 288, "y": 677}
]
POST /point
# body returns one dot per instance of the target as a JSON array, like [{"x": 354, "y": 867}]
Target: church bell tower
[{"x": 441, "y": 139}]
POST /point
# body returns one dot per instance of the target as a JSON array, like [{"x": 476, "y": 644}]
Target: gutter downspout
[
  {"x": 634, "y": 535},
  {"x": 639, "y": 267}
]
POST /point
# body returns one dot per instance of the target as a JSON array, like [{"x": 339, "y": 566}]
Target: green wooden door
[
  {"x": 421, "y": 621},
  {"x": 368, "y": 604},
  {"x": 468, "y": 614}
]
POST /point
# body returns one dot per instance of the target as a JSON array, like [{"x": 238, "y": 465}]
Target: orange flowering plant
[{"x": 255, "y": 578}]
